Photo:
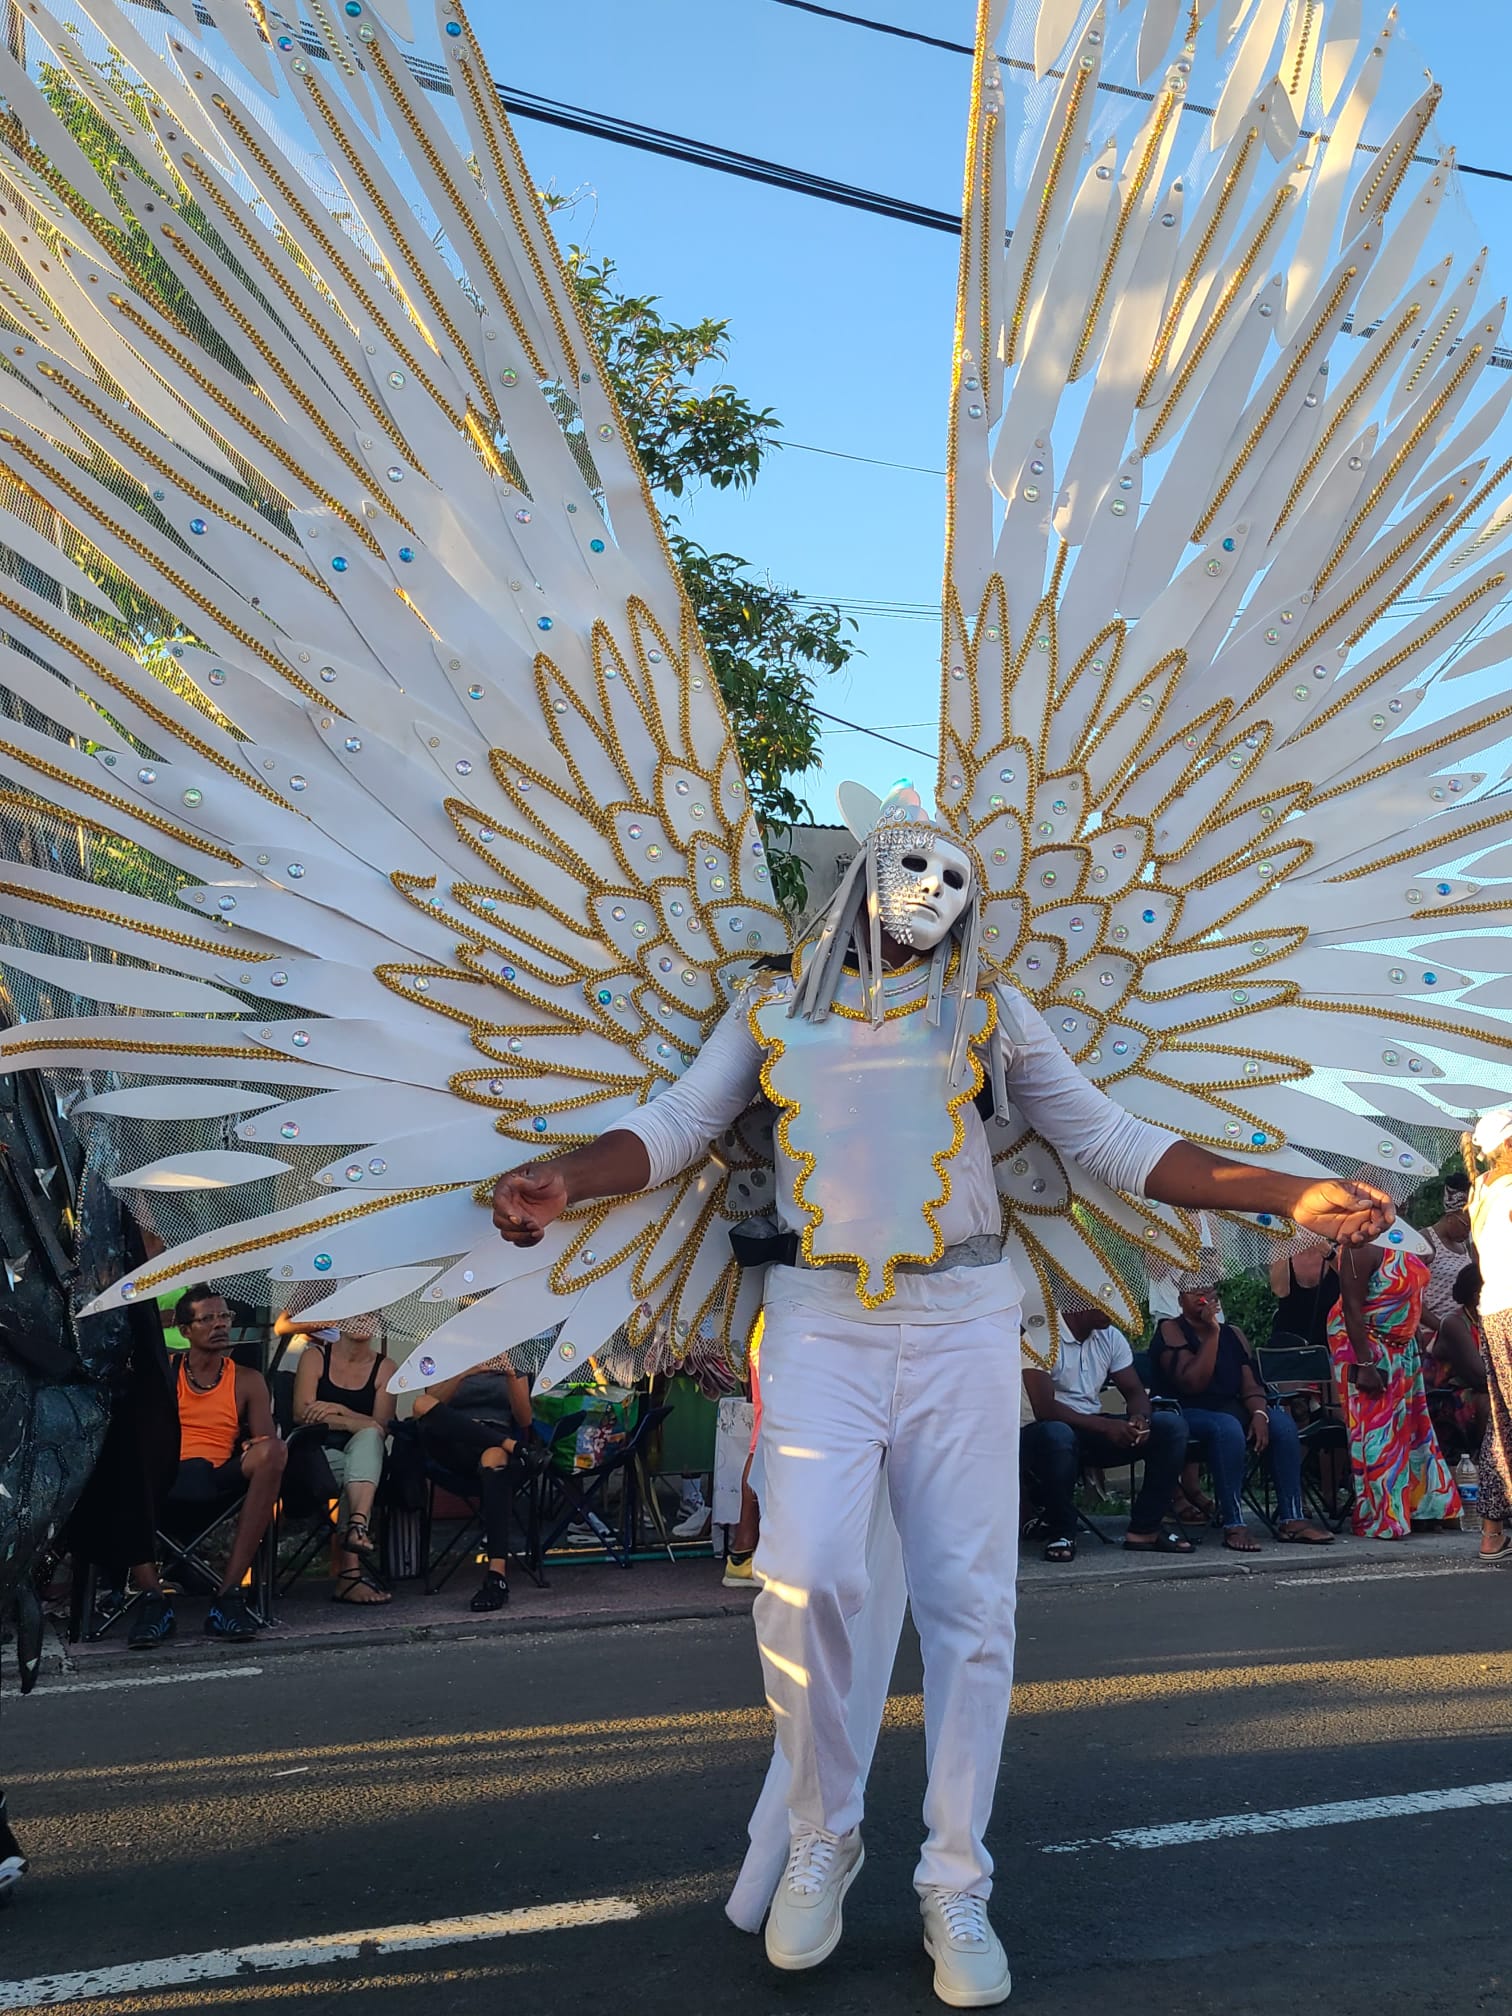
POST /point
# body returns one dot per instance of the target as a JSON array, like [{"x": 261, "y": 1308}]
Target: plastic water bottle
[{"x": 1467, "y": 1479}]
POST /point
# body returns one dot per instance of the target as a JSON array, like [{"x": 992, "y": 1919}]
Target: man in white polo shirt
[{"x": 1070, "y": 1430}]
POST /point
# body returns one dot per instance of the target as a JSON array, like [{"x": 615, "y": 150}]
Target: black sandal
[
  {"x": 1169, "y": 1540},
  {"x": 492, "y": 1594},
  {"x": 366, "y": 1549},
  {"x": 1060, "y": 1550},
  {"x": 350, "y": 1580}
]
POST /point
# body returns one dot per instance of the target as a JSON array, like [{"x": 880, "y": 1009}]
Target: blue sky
[{"x": 841, "y": 320}]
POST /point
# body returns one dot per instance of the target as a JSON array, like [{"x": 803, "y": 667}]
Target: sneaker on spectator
[
  {"x": 804, "y": 1924},
  {"x": 971, "y": 1968},
  {"x": 229, "y": 1617},
  {"x": 694, "y": 1525},
  {"x": 740, "y": 1572},
  {"x": 152, "y": 1621}
]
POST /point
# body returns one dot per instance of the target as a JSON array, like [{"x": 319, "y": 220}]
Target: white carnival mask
[
  {"x": 923, "y": 883},
  {"x": 917, "y": 884}
]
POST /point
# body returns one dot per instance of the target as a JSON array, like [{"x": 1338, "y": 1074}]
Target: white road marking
[
  {"x": 47, "y": 1692},
  {"x": 1285, "y": 1819},
  {"x": 1326, "y": 1580},
  {"x": 320, "y": 1950}
]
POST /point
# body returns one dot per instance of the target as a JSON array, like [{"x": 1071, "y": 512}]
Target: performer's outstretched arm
[
  {"x": 1352, "y": 1212},
  {"x": 1130, "y": 1154},
  {"x": 652, "y": 1143}
]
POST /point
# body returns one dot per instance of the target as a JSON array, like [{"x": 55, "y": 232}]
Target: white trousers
[{"x": 869, "y": 1427}]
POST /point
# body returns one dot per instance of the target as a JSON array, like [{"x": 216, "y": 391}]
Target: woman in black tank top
[
  {"x": 341, "y": 1394},
  {"x": 341, "y": 1398},
  {"x": 1305, "y": 1283}
]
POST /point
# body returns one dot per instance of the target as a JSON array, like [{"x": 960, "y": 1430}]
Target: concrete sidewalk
[{"x": 590, "y": 1595}]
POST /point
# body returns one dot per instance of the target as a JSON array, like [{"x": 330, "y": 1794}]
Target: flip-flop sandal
[
  {"x": 1308, "y": 1537},
  {"x": 1169, "y": 1541},
  {"x": 1490, "y": 1553},
  {"x": 1061, "y": 1550}
]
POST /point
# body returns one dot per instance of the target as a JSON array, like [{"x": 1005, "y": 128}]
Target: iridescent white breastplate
[{"x": 870, "y": 1124}]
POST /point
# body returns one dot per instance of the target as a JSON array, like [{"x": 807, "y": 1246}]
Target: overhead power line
[
  {"x": 751, "y": 167},
  {"x": 703, "y": 154},
  {"x": 881, "y": 27},
  {"x": 433, "y": 77},
  {"x": 876, "y": 461},
  {"x": 929, "y": 755},
  {"x": 1116, "y": 90}
]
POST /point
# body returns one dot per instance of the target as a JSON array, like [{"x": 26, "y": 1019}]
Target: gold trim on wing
[{"x": 332, "y": 1218}]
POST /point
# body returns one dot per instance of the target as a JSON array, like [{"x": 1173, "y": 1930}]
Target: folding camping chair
[{"x": 581, "y": 1496}]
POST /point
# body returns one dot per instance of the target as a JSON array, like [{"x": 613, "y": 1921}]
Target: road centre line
[
  {"x": 47, "y": 1692},
  {"x": 1287, "y": 1819},
  {"x": 320, "y": 1950}
]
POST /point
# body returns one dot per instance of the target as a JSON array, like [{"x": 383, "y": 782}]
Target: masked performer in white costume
[
  {"x": 891, "y": 1319},
  {"x": 371, "y": 819}
]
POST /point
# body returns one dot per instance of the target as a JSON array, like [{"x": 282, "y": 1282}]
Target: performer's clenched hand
[
  {"x": 1352, "y": 1213},
  {"x": 526, "y": 1200}
]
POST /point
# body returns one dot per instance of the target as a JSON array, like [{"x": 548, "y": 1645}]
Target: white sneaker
[
  {"x": 694, "y": 1525},
  {"x": 804, "y": 1925},
  {"x": 971, "y": 1968}
]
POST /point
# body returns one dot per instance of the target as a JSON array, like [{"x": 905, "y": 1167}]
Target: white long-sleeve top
[{"x": 1048, "y": 1090}]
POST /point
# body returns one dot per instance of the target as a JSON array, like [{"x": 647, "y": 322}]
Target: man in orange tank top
[{"x": 227, "y": 1443}]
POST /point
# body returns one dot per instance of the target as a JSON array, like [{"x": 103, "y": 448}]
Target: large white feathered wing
[
  {"x": 1223, "y": 529},
  {"x": 363, "y": 767}
]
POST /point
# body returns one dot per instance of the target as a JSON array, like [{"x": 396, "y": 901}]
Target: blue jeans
[
  {"x": 1051, "y": 1454},
  {"x": 1226, "y": 1448}
]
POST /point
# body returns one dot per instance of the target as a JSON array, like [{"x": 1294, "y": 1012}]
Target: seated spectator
[
  {"x": 1069, "y": 1429},
  {"x": 227, "y": 1445},
  {"x": 1208, "y": 1368},
  {"x": 1448, "y": 1251},
  {"x": 475, "y": 1424},
  {"x": 1454, "y": 1372},
  {"x": 114, "y": 1524},
  {"x": 341, "y": 1395},
  {"x": 1305, "y": 1282}
]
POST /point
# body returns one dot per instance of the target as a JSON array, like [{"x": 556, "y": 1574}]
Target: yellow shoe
[{"x": 741, "y": 1574}]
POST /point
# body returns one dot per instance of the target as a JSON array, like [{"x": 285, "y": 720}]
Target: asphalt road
[{"x": 363, "y": 1790}]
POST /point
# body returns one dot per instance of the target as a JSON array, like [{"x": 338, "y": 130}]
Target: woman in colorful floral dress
[
  {"x": 1400, "y": 1476},
  {"x": 1489, "y": 1153}
]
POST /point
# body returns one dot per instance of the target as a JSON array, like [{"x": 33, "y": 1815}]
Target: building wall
[{"x": 826, "y": 852}]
